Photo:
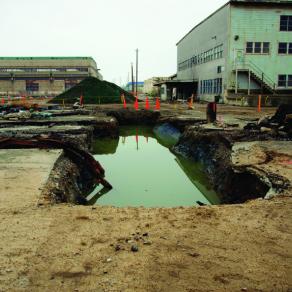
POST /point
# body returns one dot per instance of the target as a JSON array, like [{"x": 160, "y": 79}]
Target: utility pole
[
  {"x": 137, "y": 51},
  {"x": 132, "y": 72}
]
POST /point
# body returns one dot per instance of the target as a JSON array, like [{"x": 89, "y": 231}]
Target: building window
[
  {"x": 289, "y": 80},
  {"x": 257, "y": 48},
  {"x": 266, "y": 48},
  {"x": 282, "y": 48},
  {"x": 286, "y": 23},
  {"x": 249, "y": 48},
  {"x": 284, "y": 80},
  {"x": 211, "y": 86},
  {"x": 285, "y": 48},
  {"x": 32, "y": 86}
]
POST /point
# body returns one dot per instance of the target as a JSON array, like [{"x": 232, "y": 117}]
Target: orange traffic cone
[
  {"x": 81, "y": 100},
  {"x": 122, "y": 98},
  {"x": 157, "y": 105},
  {"x": 190, "y": 103},
  {"x": 2, "y": 100},
  {"x": 136, "y": 104}
]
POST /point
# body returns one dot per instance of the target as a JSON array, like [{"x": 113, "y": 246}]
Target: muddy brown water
[{"x": 144, "y": 172}]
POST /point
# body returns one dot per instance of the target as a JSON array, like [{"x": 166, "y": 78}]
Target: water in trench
[{"x": 144, "y": 172}]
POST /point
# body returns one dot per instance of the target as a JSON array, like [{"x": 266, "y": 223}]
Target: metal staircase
[{"x": 257, "y": 75}]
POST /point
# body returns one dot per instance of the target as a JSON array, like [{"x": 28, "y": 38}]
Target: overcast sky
[{"x": 107, "y": 30}]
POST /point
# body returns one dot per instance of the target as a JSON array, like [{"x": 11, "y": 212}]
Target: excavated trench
[
  {"x": 211, "y": 149},
  {"x": 214, "y": 150}
]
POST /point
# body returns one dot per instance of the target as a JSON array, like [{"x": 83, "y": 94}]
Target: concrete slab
[
  {"x": 23, "y": 173},
  {"x": 43, "y": 129}
]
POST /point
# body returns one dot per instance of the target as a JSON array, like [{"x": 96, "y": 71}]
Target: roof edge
[
  {"x": 239, "y": 2},
  {"x": 203, "y": 21},
  {"x": 47, "y": 58}
]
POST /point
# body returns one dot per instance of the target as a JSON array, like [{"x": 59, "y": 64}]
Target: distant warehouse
[
  {"x": 242, "y": 49},
  {"x": 43, "y": 76}
]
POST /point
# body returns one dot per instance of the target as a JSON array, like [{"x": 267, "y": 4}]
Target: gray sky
[{"x": 109, "y": 31}]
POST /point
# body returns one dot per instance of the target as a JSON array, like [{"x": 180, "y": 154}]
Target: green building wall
[{"x": 258, "y": 24}]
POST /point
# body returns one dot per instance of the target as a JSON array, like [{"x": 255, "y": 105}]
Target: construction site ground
[{"x": 63, "y": 247}]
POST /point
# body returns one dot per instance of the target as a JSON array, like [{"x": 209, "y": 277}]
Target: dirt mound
[{"x": 94, "y": 91}]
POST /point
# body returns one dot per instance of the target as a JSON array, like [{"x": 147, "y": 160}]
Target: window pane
[
  {"x": 249, "y": 47},
  {"x": 290, "y": 80},
  {"x": 290, "y": 23},
  {"x": 266, "y": 48},
  {"x": 257, "y": 48},
  {"x": 282, "y": 80},
  {"x": 282, "y": 48},
  {"x": 290, "y": 48},
  {"x": 284, "y": 23}
]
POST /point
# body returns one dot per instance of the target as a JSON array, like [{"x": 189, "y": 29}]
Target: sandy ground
[
  {"x": 23, "y": 173},
  {"x": 76, "y": 248},
  {"x": 244, "y": 247},
  {"x": 199, "y": 110}
]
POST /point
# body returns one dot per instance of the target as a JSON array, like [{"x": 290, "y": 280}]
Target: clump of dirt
[{"x": 94, "y": 91}]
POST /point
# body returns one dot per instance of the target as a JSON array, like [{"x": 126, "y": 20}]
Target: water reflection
[{"x": 144, "y": 172}]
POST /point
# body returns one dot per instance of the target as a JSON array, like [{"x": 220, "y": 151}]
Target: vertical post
[
  {"x": 236, "y": 80},
  {"x": 132, "y": 72},
  {"x": 137, "y": 72},
  {"x": 248, "y": 82},
  {"x": 259, "y": 103},
  {"x": 262, "y": 84}
]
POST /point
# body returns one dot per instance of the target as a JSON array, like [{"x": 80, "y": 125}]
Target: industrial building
[
  {"x": 131, "y": 87},
  {"x": 43, "y": 76},
  {"x": 149, "y": 85},
  {"x": 242, "y": 49}
]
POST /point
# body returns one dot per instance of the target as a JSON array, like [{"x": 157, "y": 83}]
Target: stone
[
  {"x": 263, "y": 120},
  {"x": 193, "y": 254},
  {"x": 147, "y": 242},
  {"x": 118, "y": 247},
  {"x": 265, "y": 130},
  {"x": 134, "y": 248}
]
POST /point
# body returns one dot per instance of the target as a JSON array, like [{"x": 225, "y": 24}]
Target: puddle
[{"x": 144, "y": 172}]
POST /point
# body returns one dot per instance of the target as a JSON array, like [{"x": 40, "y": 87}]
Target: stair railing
[{"x": 258, "y": 72}]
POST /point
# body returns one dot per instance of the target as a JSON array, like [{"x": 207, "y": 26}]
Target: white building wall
[{"x": 213, "y": 32}]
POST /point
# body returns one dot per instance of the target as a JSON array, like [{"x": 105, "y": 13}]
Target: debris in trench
[
  {"x": 24, "y": 112},
  {"x": 279, "y": 125}
]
